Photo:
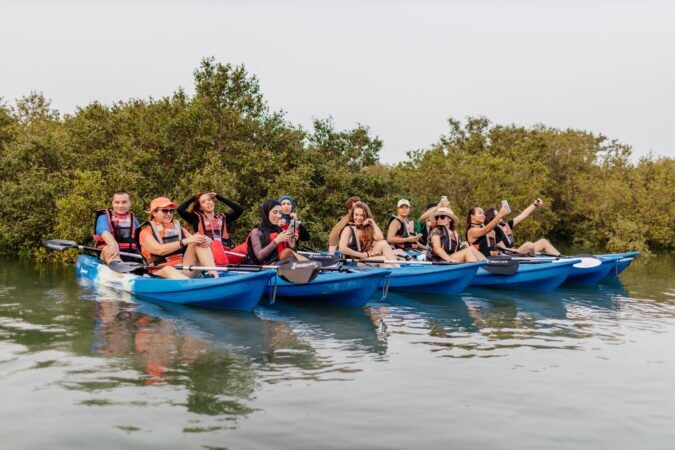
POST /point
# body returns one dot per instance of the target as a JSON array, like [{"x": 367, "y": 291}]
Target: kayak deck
[{"x": 436, "y": 279}]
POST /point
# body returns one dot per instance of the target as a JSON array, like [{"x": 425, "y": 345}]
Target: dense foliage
[{"x": 56, "y": 170}]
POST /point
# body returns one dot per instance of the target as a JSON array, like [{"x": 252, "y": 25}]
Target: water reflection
[{"x": 483, "y": 322}]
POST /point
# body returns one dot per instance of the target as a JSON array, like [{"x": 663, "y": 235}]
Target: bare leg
[
  {"x": 170, "y": 273},
  {"x": 543, "y": 245},
  {"x": 469, "y": 254},
  {"x": 195, "y": 254},
  {"x": 528, "y": 248},
  {"x": 383, "y": 248}
]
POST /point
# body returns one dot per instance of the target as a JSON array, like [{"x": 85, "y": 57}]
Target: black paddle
[
  {"x": 62, "y": 244},
  {"x": 502, "y": 266},
  {"x": 296, "y": 272}
]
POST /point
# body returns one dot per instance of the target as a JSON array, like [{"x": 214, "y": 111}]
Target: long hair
[
  {"x": 350, "y": 202},
  {"x": 490, "y": 215},
  {"x": 368, "y": 231},
  {"x": 468, "y": 220},
  {"x": 196, "y": 207}
]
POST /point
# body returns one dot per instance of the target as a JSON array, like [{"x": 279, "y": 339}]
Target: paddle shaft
[{"x": 94, "y": 249}]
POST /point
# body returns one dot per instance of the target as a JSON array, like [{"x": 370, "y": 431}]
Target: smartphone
[
  {"x": 445, "y": 197},
  {"x": 506, "y": 204}
]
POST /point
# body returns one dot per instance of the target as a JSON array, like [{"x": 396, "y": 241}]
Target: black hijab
[{"x": 266, "y": 228}]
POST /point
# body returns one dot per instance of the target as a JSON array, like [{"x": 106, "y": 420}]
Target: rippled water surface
[{"x": 586, "y": 367}]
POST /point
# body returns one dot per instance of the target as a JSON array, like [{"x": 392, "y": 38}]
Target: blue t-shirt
[{"x": 102, "y": 225}]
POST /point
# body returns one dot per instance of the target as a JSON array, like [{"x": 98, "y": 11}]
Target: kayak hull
[
  {"x": 622, "y": 263},
  {"x": 240, "y": 291},
  {"x": 535, "y": 277},
  {"x": 587, "y": 276},
  {"x": 351, "y": 289},
  {"x": 436, "y": 279}
]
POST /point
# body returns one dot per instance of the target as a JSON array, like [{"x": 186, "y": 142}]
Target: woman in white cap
[
  {"x": 445, "y": 243},
  {"x": 401, "y": 231}
]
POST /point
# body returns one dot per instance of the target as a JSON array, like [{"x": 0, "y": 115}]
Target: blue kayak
[
  {"x": 436, "y": 279},
  {"x": 537, "y": 277},
  {"x": 352, "y": 288},
  {"x": 241, "y": 290},
  {"x": 592, "y": 275},
  {"x": 622, "y": 263}
]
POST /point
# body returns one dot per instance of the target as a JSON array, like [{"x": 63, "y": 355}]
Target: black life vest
[
  {"x": 354, "y": 242},
  {"x": 449, "y": 242},
  {"x": 487, "y": 243},
  {"x": 404, "y": 231},
  {"x": 123, "y": 229},
  {"x": 507, "y": 235},
  {"x": 163, "y": 236}
]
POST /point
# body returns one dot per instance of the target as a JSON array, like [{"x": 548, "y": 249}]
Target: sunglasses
[
  {"x": 166, "y": 210},
  {"x": 442, "y": 217}
]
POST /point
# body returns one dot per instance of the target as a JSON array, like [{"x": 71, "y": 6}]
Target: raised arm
[
  {"x": 188, "y": 216},
  {"x": 526, "y": 212},
  {"x": 475, "y": 233},
  {"x": 236, "y": 212}
]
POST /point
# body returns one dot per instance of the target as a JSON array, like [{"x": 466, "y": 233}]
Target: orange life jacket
[
  {"x": 164, "y": 235},
  {"x": 215, "y": 228}
]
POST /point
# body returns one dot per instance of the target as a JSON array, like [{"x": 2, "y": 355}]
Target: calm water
[{"x": 591, "y": 367}]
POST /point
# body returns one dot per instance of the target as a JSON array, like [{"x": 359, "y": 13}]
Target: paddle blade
[
  {"x": 502, "y": 267},
  {"x": 325, "y": 260},
  {"x": 124, "y": 267},
  {"x": 299, "y": 272},
  {"x": 59, "y": 244}
]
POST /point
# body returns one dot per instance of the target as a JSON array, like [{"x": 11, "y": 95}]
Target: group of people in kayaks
[{"x": 165, "y": 244}]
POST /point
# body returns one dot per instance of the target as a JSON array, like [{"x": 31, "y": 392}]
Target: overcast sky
[{"x": 401, "y": 68}]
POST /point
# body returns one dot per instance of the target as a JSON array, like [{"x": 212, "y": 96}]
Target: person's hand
[
  {"x": 538, "y": 202},
  {"x": 206, "y": 242},
  {"x": 502, "y": 211},
  {"x": 463, "y": 245},
  {"x": 444, "y": 203},
  {"x": 368, "y": 221},
  {"x": 414, "y": 238},
  {"x": 284, "y": 236},
  {"x": 111, "y": 251},
  {"x": 197, "y": 238},
  {"x": 282, "y": 223},
  {"x": 212, "y": 194},
  {"x": 293, "y": 215}
]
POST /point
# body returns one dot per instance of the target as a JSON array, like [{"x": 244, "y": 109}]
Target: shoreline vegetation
[{"x": 56, "y": 170}]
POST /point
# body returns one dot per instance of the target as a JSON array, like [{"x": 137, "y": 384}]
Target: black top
[
  {"x": 193, "y": 219},
  {"x": 501, "y": 235}
]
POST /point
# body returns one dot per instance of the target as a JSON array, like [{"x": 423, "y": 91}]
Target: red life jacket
[
  {"x": 215, "y": 228},
  {"x": 123, "y": 229},
  {"x": 164, "y": 236},
  {"x": 273, "y": 257}
]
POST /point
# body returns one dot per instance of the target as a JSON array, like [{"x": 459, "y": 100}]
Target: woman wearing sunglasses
[
  {"x": 444, "y": 241},
  {"x": 164, "y": 243}
]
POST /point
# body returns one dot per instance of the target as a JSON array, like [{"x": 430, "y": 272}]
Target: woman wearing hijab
[
  {"x": 289, "y": 220},
  {"x": 267, "y": 242}
]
